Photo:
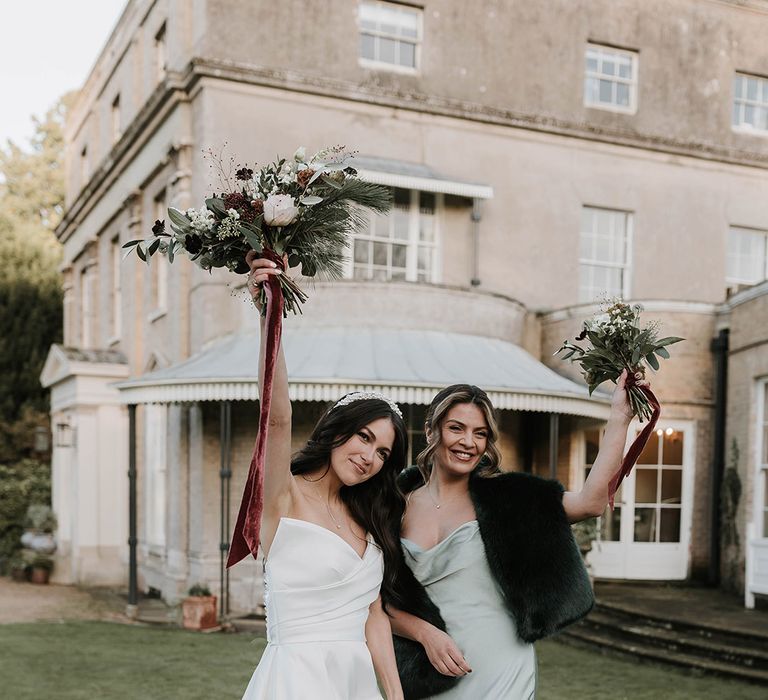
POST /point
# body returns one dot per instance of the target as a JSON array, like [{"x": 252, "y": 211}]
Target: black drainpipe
[
  {"x": 719, "y": 348},
  {"x": 133, "y": 591},
  {"x": 225, "y": 475}
]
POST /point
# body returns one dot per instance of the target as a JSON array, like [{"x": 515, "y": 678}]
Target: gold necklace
[{"x": 327, "y": 502}]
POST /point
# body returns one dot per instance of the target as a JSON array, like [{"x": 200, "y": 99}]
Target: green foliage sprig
[{"x": 618, "y": 342}]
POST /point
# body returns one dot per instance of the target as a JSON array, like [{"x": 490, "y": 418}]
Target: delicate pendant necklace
[
  {"x": 327, "y": 502},
  {"x": 431, "y": 497}
]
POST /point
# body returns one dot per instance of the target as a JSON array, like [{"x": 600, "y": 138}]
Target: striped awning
[{"x": 411, "y": 366}]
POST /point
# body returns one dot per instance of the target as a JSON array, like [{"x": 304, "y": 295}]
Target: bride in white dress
[{"x": 327, "y": 537}]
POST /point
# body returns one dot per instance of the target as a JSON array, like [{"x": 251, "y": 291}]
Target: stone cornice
[
  {"x": 459, "y": 109},
  {"x": 177, "y": 88}
]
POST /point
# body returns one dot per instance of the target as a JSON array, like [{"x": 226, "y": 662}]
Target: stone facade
[{"x": 498, "y": 99}]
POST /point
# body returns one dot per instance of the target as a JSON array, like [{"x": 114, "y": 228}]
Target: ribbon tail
[
  {"x": 636, "y": 448},
  {"x": 245, "y": 538}
]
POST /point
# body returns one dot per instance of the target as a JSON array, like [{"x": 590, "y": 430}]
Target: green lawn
[{"x": 107, "y": 661}]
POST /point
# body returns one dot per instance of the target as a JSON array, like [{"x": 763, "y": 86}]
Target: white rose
[
  {"x": 279, "y": 210},
  {"x": 602, "y": 319},
  {"x": 301, "y": 155}
]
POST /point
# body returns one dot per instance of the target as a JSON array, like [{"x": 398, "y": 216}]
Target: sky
[{"x": 47, "y": 48}]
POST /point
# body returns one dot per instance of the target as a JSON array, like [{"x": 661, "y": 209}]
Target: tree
[{"x": 31, "y": 205}]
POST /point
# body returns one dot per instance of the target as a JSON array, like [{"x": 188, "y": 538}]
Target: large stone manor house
[{"x": 541, "y": 155}]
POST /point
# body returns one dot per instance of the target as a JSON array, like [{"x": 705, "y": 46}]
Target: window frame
[
  {"x": 626, "y": 266},
  {"x": 376, "y": 64},
  {"x": 746, "y": 127},
  {"x": 156, "y": 470},
  {"x": 633, "y": 82},
  {"x": 761, "y": 465},
  {"x": 116, "y": 259},
  {"x": 412, "y": 243}
]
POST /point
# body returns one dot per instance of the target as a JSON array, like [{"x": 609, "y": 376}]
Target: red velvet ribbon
[
  {"x": 633, "y": 453},
  {"x": 245, "y": 538}
]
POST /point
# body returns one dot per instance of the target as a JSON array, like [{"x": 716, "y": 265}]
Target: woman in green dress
[{"x": 491, "y": 561}]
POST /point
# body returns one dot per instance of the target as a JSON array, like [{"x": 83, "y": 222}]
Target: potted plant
[
  {"x": 40, "y": 524},
  {"x": 41, "y": 567},
  {"x": 199, "y": 608},
  {"x": 18, "y": 567},
  {"x": 585, "y": 533}
]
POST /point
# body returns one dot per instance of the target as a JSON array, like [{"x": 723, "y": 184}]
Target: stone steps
[{"x": 700, "y": 647}]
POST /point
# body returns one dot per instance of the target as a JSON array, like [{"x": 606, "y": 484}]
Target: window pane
[
  {"x": 606, "y": 91},
  {"x": 645, "y": 525},
  {"x": 380, "y": 253},
  {"x": 751, "y": 88},
  {"x": 669, "y": 528},
  {"x": 407, "y": 54},
  {"x": 386, "y": 50},
  {"x": 672, "y": 448},
  {"x": 671, "y": 485},
  {"x": 381, "y": 228},
  {"x": 409, "y": 23},
  {"x": 591, "y": 61},
  {"x": 650, "y": 453},
  {"x": 426, "y": 228},
  {"x": 608, "y": 66},
  {"x": 645, "y": 485},
  {"x": 361, "y": 272},
  {"x": 625, "y": 67},
  {"x": 738, "y": 87},
  {"x": 362, "y": 251},
  {"x": 367, "y": 47},
  {"x": 399, "y": 253},
  {"x": 401, "y": 224},
  {"x": 591, "y": 92},
  {"x": 610, "y": 525},
  {"x": 622, "y": 94},
  {"x": 765, "y": 506}
]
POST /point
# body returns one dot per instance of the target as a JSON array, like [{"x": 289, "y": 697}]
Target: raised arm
[
  {"x": 378, "y": 635},
  {"x": 593, "y": 497},
  {"x": 277, "y": 474}
]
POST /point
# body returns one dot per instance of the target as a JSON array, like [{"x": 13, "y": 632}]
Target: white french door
[{"x": 647, "y": 535}]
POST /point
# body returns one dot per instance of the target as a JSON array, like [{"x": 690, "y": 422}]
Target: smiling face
[
  {"x": 363, "y": 455},
  {"x": 463, "y": 439}
]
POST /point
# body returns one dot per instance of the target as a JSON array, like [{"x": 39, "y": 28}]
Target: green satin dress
[{"x": 455, "y": 573}]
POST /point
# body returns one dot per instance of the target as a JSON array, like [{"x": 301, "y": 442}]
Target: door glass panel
[
  {"x": 672, "y": 450},
  {"x": 645, "y": 524},
  {"x": 610, "y": 525},
  {"x": 669, "y": 529},
  {"x": 765, "y": 505},
  {"x": 650, "y": 453},
  {"x": 645, "y": 485},
  {"x": 671, "y": 485}
]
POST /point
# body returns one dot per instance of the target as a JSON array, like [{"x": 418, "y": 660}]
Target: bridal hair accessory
[{"x": 363, "y": 395}]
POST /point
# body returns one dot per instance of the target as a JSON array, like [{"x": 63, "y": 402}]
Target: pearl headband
[{"x": 363, "y": 395}]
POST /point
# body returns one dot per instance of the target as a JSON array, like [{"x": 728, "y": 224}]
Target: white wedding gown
[{"x": 317, "y": 594}]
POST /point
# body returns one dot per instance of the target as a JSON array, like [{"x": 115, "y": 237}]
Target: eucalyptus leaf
[
  {"x": 310, "y": 200},
  {"x": 153, "y": 247},
  {"x": 179, "y": 219},
  {"x": 332, "y": 183},
  {"x": 652, "y": 361},
  {"x": 140, "y": 252},
  {"x": 130, "y": 244},
  {"x": 251, "y": 237},
  {"x": 668, "y": 341},
  {"x": 662, "y": 352},
  {"x": 216, "y": 205}
]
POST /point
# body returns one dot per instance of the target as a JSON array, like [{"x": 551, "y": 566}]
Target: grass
[{"x": 108, "y": 661}]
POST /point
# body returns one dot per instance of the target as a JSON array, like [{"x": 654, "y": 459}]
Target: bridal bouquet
[
  {"x": 618, "y": 343},
  {"x": 303, "y": 208}
]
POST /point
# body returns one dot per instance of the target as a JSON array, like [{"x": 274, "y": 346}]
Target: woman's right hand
[
  {"x": 261, "y": 269},
  {"x": 443, "y": 653}
]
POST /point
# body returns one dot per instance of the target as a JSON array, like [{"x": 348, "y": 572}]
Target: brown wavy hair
[
  {"x": 377, "y": 504},
  {"x": 438, "y": 409}
]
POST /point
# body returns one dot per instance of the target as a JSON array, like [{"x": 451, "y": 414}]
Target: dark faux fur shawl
[{"x": 531, "y": 554}]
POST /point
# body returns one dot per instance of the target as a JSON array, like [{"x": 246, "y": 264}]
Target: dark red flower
[
  {"x": 257, "y": 205},
  {"x": 244, "y": 174},
  {"x": 159, "y": 227},
  {"x": 193, "y": 243}
]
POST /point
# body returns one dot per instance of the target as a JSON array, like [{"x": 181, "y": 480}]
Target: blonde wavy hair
[{"x": 438, "y": 409}]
